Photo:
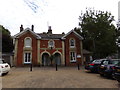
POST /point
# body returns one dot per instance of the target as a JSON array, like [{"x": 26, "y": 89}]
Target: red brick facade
[{"x": 47, "y": 48}]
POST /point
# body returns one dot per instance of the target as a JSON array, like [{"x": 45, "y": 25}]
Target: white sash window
[
  {"x": 27, "y": 58},
  {"x": 72, "y": 43},
  {"x": 72, "y": 57},
  {"x": 28, "y": 42}
]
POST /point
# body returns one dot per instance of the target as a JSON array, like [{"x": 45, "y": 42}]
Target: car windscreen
[
  {"x": 106, "y": 62},
  {"x": 118, "y": 64},
  {"x": 115, "y": 61},
  {"x": 97, "y": 61}
]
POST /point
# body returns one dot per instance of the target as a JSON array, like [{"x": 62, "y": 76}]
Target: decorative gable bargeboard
[{"x": 47, "y": 48}]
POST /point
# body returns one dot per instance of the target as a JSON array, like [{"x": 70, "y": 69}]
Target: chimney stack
[
  {"x": 32, "y": 27},
  {"x": 21, "y": 28},
  {"x": 49, "y": 30}
]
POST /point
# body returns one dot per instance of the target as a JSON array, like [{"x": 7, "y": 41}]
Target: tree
[
  {"x": 98, "y": 32},
  {"x": 7, "y": 42}
]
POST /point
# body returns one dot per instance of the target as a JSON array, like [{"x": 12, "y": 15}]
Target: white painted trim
[
  {"x": 24, "y": 57},
  {"x": 60, "y": 56},
  {"x": 53, "y": 43},
  {"x": 42, "y": 54},
  {"x": 75, "y": 56},
  {"x": 80, "y": 37},
  {"x": 30, "y": 43},
  {"x": 15, "y": 52},
  {"x": 70, "y": 43},
  {"x": 45, "y": 52},
  {"x": 38, "y": 51},
  {"x": 22, "y": 32}
]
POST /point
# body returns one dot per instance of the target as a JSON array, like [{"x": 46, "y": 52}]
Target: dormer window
[
  {"x": 51, "y": 44},
  {"x": 28, "y": 42},
  {"x": 72, "y": 43}
]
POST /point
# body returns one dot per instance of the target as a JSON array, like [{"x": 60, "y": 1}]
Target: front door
[
  {"x": 45, "y": 59},
  {"x": 57, "y": 58}
]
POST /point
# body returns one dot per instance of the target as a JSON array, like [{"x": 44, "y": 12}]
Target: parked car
[
  {"x": 116, "y": 74},
  {"x": 94, "y": 65},
  {"x": 4, "y": 67},
  {"x": 107, "y": 67}
]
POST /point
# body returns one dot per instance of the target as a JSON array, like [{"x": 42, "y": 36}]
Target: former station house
[{"x": 47, "y": 48}]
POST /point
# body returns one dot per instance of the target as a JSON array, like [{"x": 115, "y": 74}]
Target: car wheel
[
  {"x": 6, "y": 73},
  {"x": 118, "y": 81},
  {"x": 102, "y": 75}
]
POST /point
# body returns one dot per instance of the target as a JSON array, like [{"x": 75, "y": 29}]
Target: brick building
[{"x": 47, "y": 48}]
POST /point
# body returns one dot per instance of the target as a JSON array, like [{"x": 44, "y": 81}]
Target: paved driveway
[{"x": 47, "y": 77}]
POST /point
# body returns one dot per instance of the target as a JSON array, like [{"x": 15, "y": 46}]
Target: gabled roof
[
  {"x": 26, "y": 30},
  {"x": 79, "y": 36}
]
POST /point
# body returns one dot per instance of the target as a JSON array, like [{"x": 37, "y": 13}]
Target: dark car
[
  {"x": 116, "y": 73},
  {"x": 94, "y": 65},
  {"x": 107, "y": 67}
]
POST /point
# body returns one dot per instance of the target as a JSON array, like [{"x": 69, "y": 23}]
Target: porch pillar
[
  {"x": 38, "y": 52},
  {"x": 15, "y": 52}
]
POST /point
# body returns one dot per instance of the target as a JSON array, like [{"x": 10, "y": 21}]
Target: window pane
[
  {"x": 27, "y": 42},
  {"x": 28, "y": 57},
  {"x": 72, "y": 42},
  {"x": 72, "y": 56},
  {"x": 51, "y": 44},
  {"x": 25, "y": 57}
]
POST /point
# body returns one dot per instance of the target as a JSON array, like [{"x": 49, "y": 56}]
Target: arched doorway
[
  {"x": 45, "y": 59},
  {"x": 57, "y": 58}
]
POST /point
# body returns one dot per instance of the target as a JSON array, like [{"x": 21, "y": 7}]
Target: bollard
[
  {"x": 56, "y": 67},
  {"x": 78, "y": 67},
  {"x": 31, "y": 67}
]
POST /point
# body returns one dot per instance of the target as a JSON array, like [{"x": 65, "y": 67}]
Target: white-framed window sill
[
  {"x": 73, "y": 61},
  {"x": 27, "y": 46},
  {"x": 27, "y": 62},
  {"x": 72, "y": 46}
]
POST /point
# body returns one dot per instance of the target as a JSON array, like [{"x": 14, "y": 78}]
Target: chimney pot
[
  {"x": 21, "y": 28},
  {"x": 32, "y": 27},
  {"x": 49, "y": 30}
]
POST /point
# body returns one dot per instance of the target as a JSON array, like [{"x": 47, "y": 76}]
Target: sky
[{"x": 61, "y": 15}]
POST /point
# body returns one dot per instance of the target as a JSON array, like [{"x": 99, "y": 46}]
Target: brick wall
[
  {"x": 20, "y": 53},
  {"x": 77, "y": 49}
]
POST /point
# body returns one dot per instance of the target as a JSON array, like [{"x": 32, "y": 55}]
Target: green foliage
[
  {"x": 98, "y": 32},
  {"x": 7, "y": 44}
]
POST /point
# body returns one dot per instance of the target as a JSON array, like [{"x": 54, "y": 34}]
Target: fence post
[
  {"x": 78, "y": 67},
  {"x": 56, "y": 67},
  {"x": 31, "y": 67}
]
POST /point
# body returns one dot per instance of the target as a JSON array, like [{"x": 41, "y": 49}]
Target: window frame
[
  {"x": 73, "y": 56},
  {"x": 51, "y": 46},
  {"x": 70, "y": 43},
  {"x": 27, "y": 46},
  {"x": 27, "y": 55}
]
